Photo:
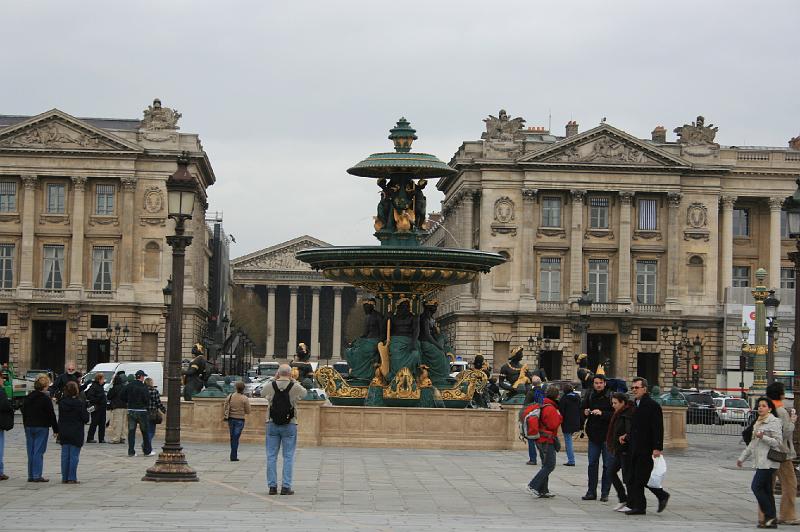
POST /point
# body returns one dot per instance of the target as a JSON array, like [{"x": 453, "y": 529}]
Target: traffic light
[
  {"x": 674, "y": 372},
  {"x": 695, "y": 368}
]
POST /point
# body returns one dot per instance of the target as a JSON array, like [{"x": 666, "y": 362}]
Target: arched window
[
  {"x": 152, "y": 260},
  {"x": 696, "y": 275}
]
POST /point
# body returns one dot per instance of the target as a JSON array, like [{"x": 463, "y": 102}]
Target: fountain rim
[{"x": 421, "y": 255}]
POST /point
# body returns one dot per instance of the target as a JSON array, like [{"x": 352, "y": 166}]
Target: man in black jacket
[
  {"x": 570, "y": 408},
  {"x": 137, "y": 396},
  {"x": 646, "y": 443},
  {"x": 96, "y": 397},
  {"x": 70, "y": 375},
  {"x": 597, "y": 411}
]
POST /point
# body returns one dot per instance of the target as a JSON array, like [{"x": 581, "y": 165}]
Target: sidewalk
[{"x": 364, "y": 489}]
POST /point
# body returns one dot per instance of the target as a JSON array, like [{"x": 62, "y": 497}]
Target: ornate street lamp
[
  {"x": 585, "y": 311},
  {"x": 744, "y": 332},
  {"x": 117, "y": 336},
  {"x": 791, "y": 206},
  {"x": 771, "y": 304},
  {"x": 676, "y": 336},
  {"x": 171, "y": 464},
  {"x": 697, "y": 349}
]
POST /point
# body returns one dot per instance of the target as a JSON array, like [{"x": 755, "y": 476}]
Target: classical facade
[
  {"x": 300, "y": 304},
  {"x": 83, "y": 227},
  {"x": 658, "y": 231}
]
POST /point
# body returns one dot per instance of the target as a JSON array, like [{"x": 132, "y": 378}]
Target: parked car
[
  {"x": 731, "y": 410},
  {"x": 154, "y": 370},
  {"x": 700, "y": 410},
  {"x": 342, "y": 367}
]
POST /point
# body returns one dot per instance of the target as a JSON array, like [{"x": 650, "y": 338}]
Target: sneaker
[
  {"x": 569, "y": 465},
  {"x": 286, "y": 491},
  {"x": 530, "y": 462},
  {"x": 132, "y": 454},
  {"x": 3, "y": 477},
  {"x": 623, "y": 508},
  {"x": 619, "y": 506},
  {"x": 151, "y": 453},
  {"x": 546, "y": 495},
  {"x": 273, "y": 490},
  {"x": 532, "y": 491}
]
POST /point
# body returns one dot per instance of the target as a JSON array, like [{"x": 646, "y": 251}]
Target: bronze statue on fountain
[{"x": 515, "y": 377}]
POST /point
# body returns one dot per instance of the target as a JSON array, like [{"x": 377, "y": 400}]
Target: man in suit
[{"x": 646, "y": 442}]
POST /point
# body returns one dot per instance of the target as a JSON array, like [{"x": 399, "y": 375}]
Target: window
[
  {"x": 105, "y": 199},
  {"x": 53, "y": 271},
  {"x": 787, "y": 278},
  {"x": 551, "y": 212},
  {"x": 102, "y": 262},
  {"x": 551, "y": 332},
  {"x": 646, "y": 282},
  {"x": 55, "y": 198},
  {"x": 696, "y": 275},
  {"x": 152, "y": 260},
  {"x": 98, "y": 321},
  {"x": 598, "y": 280},
  {"x": 6, "y": 265},
  {"x": 648, "y": 334},
  {"x": 741, "y": 222},
  {"x": 550, "y": 279},
  {"x": 3, "y": 319},
  {"x": 598, "y": 213},
  {"x": 648, "y": 215},
  {"x": 8, "y": 196},
  {"x": 741, "y": 276}
]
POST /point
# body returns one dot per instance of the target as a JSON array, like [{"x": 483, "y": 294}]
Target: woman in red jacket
[{"x": 549, "y": 421}]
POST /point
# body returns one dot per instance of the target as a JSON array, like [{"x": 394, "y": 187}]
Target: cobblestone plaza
[{"x": 363, "y": 489}]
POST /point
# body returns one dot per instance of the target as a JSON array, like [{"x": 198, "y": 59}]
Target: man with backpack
[
  {"x": 282, "y": 395},
  {"x": 544, "y": 429}
]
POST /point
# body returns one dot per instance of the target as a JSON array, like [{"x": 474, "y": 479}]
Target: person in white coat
[{"x": 767, "y": 434}]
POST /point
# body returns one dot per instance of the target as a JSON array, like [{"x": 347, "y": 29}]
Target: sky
[{"x": 287, "y": 95}]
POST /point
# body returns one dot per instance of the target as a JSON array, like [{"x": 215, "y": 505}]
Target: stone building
[
  {"x": 659, "y": 231},
  {"x": 299, "y": 304},
  {"x": 83, "y": 227}
]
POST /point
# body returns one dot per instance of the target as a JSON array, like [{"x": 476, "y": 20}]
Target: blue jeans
[
  {"x": 285, "y": 437},
  {"x": 568, "y": 447},
  {"x": 2, "y": 448},
  {"x": 36, "y": 445},
  {"x": 595, "y": 451},
  {"x": 540, "y": 481},
  {"x": 762, "y": 489},
  {"x": 532, "y": 451},
  {"x": 235, "y": 426},
  {"x": 69, "y": 462},
  {"x": 151, "y": 430},
  {"x": 141, "y": 418}
]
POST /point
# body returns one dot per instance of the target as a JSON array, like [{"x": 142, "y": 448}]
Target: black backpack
[{"x": 281, "y": 410}]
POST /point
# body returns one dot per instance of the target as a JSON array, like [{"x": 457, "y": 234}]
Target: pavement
[{"x": 341, "y": 489}]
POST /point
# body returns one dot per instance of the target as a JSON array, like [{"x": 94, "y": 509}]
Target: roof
[{"x": 122, "y": 124}]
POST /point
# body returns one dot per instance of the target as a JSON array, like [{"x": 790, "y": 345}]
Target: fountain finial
[{"x": 402, "y": 135}]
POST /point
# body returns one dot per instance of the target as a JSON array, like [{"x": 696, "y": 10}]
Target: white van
[{"x": 154, "y": 370}]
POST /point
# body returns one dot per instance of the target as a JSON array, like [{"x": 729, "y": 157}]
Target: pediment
[
  {"x": 58, "y": 131},
  {"x": 605, "y": 145},
  {"x": 279, "y": 257}
]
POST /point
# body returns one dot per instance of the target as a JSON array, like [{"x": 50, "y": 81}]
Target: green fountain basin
[{"x": 400, "y": 270}]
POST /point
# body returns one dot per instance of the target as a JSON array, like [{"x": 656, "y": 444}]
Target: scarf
[
  {"x": 611, "y": 441},
  {"x": 763, "y": 419}
]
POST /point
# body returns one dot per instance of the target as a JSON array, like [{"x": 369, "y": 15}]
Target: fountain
[{"x": 402, "y": 359}]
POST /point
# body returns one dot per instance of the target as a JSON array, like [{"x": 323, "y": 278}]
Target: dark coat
[
  {"x": 115, "y": 394},
  {"x": 620, "y": 426},
  {"x": 647, "y": 428},
  {"x": 37, "y": 411},
  {"x": 96, "y": 396},
  {"x": 64, "y": 378},
  {"x": 72, "y": 416},
  {"x": 597, "y": 426},
  {"x": 570, "y": 408},
  {"x": 6, "y": 411},
  {"x": 136, "y": 396}
]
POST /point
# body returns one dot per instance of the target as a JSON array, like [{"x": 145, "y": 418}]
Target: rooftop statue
[
  {"x": 697, "y": 133},
  {"x": 158, "y": 117},
  {"x": 503, "y": 128}
]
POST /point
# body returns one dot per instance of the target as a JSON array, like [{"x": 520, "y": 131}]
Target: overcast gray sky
[{"x": 287, "y": 95}]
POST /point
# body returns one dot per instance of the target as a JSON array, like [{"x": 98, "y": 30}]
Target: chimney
[
  {"x": 572, "y": 128},
  {"x": 659, "y": 135},
  {"x": 794, "y": 143}
]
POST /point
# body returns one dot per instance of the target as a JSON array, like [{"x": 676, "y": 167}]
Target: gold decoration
[
  {"x": 335, "y": 386},
  {"x": 523, "y": 377},
  {"x": 424, "y": 380},
  {"x": 403, "y": 386},
  {"x": 474, "y": 380}
]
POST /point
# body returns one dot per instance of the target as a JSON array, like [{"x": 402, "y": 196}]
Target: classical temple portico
[{"x": 301, "y": 305}]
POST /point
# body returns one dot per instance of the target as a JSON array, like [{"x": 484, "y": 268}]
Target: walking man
[
  {"x": 282, "y": 395},
  {"x": 597, "y": 412},
  {"x": 549, "y": 421},
  {"x": 137, "y": 396},
  {"x": 646, "y": 443},
  {"x": 787, "y": 516}
]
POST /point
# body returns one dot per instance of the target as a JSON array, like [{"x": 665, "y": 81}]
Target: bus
[{"x": 787, "y": 378}]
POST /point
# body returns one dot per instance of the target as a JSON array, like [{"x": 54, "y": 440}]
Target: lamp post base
[{"x": 171, "y": 466}]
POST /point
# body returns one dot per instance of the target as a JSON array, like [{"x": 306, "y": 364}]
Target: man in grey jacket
[
  {"x": 787, "y": 515},
  {"x": 282, "y": 395}
]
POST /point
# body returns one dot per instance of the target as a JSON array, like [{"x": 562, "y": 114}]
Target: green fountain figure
[{"x": 402, "y": 358}]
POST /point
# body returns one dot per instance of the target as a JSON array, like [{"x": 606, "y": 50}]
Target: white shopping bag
[{"x": 659, "y": 470}]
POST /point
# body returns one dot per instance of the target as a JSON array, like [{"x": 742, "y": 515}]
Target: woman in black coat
[
  {"x": 72, "y": 416},
  {"x": 96, "y": 397},
  {"x": 617, "y": 442},
  {"x": 570, "y": 408}
]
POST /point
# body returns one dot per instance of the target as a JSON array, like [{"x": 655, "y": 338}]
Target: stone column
[
  {"x": 624, "y": 271},
  {"x": 336, "y": 351},
  {"x": 466, "y": 222},
  {"x": 30, "y": 183},
  {"x": 774, "y": 279},
  {"x": 576, "y": 246},
  {"x": 528, "y": 228},
  {"x": 76, "y": 254},
  {"x": 315, "y": 321},
  {"x": 726, "y": 244},
  {"x": 271, "y": 322},
  {"x": 291, "y": 345},
  {"x": 126, "y": 212},
  {"x": 673, "y": 244}
]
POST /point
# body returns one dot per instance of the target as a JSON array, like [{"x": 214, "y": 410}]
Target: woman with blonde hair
[
  {"x": 38, "y": 417},
  {"x": 767, "y": 435}
]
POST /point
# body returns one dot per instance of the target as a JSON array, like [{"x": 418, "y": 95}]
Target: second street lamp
[
  {"x": 117, "y": 336},
  {"x": 585, "y": 309},
  {"x": 771, "y": 307}
]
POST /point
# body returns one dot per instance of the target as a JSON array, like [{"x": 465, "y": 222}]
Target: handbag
[
  {"x": 778, "y": 454},
  {"x": 157, "y": 417}
]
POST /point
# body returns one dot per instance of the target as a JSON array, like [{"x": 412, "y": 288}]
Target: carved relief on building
[
  {"x": 53, "y": 134},
  {"x": 153, "y": 204},
  {"x": 697, "y": 220},
  {"x": 605, "y": 149},
  {"x": 281, "y": 259},
  {"x": 503, "y": 216}
]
